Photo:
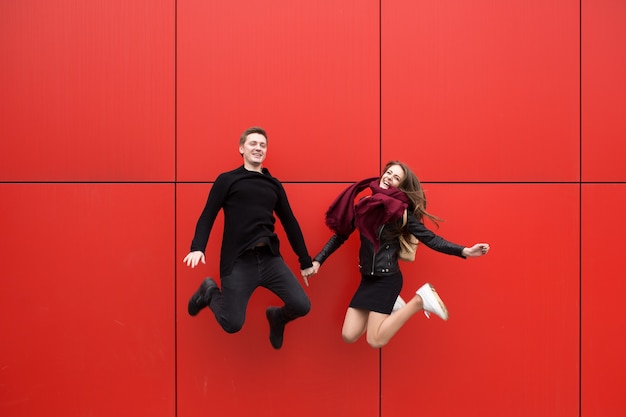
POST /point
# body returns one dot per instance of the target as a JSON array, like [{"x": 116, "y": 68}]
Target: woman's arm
[
  {"x": 433, "y": 241},
  {"x": 329, "y": 248}
]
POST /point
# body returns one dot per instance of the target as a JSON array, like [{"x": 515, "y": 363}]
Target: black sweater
[{"x": 249, "y": 200}]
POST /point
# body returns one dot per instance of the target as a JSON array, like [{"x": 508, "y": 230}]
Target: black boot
[
  {"x": 202, "y": 296},
  {"x": 277, "y": 326}
]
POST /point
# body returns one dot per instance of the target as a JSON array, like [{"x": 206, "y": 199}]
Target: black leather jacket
[{"x": 385, "y": 260}]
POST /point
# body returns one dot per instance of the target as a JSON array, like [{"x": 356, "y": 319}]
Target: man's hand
[
  {"x": 193, "y": 258},
  {"x": 309, "y": 272}
]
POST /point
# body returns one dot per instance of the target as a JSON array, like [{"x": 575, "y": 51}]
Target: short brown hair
[{"x": 249, "y": 131}]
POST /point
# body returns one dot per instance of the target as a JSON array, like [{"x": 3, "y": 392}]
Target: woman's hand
[{"x": 478, "y": 249}]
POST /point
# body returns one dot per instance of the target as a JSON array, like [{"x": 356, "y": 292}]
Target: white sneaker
[
  {"x": 398, "y": 304},
  {"x": 432, "y": 302}
]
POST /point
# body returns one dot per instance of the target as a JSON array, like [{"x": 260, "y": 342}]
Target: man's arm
[
  {"x": 214, "y": 203},
  {"x": 292, "y": 229}
]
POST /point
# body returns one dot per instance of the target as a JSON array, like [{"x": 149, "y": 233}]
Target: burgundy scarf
[{"x": 383, "y": 206}]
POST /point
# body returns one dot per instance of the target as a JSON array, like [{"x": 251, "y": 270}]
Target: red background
[{"x": 116, "y": 117}]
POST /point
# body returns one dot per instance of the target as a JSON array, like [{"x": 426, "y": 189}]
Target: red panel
[
  {"x": 510, "y": 347},
  {"x": 86, "y": 298},
  {"x": 87, "y": 90},
  {"x": 603, "y": 318},
  {"x": 308, "y": 72},
  {"x": 241, "y": 374},
  {"x": 482, "y": 90},
  {"x": 604, "y": 90}
]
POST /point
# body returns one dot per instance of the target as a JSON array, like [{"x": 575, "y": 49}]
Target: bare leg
[
  {"x": 354, "y": 324},
  {"x": 382, "y": 327}
]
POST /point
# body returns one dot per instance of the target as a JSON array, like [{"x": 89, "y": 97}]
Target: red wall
[{"x": 115, "y": 118}]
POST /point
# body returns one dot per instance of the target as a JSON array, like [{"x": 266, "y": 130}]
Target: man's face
[{"x": 254, "y": 149}]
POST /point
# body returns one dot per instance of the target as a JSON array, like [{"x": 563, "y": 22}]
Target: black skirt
[{"x": 377, "y": 293}]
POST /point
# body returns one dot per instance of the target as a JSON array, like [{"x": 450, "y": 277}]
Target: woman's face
[{"x": 393, "y": 177}]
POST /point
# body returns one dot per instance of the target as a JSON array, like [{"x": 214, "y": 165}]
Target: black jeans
[{"x": 255, "y": 268}]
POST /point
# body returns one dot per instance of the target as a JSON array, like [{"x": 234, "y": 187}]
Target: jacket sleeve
[
  {"x": 331, "y": 246},
  {"x": 430, "y": 239}
]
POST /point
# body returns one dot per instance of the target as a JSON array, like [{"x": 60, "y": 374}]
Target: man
[{"x": 250, "y": 256}]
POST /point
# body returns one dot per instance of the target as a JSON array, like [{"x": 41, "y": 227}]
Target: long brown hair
[{"x": 412, "y": 187}]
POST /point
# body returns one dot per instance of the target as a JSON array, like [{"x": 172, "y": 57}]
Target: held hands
[
  {"x": 193, "y": 258},
  {"x": 478, "y": 249},
  {"x": 309, "y": 272}
]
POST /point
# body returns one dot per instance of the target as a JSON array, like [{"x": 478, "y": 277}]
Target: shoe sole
[
  {"x": 440, "y": 302},
  {"x": 193, "y": 307},
  {"x": 269, "y": 313},
  {"x": 398, "y": 304},
  {"x": 196, "y": 302}
]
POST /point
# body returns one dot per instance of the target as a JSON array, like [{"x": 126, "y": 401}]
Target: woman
[{"x": 379, "y": 220}]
